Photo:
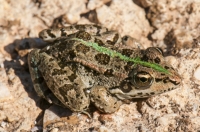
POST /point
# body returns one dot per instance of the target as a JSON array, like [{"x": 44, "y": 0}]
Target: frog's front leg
[{"x": 103, "y": 100}]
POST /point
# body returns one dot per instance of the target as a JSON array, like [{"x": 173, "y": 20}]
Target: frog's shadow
[{"x": 19, "y": 63}]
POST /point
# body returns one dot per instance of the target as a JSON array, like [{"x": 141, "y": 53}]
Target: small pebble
[{"x": 197, "y": 73}]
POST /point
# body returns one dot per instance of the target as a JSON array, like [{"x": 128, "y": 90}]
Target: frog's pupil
[{"x": 143, "y": 79}]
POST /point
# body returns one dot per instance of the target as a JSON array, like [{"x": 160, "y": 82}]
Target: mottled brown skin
[{"x": 79, "y": 75}]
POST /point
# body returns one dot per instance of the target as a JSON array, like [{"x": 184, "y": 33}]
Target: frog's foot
[
  {"x": 103, "y": 100},
  {"x": 87, "y": 113}
]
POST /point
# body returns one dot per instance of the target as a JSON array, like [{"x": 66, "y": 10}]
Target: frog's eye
[{"x": 142, "y": 80}]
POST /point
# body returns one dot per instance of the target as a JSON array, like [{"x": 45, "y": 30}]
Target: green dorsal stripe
[{"x": 113, "y": 53}]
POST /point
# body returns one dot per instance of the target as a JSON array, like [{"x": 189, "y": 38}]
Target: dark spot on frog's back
[
  {"x": 83, "y": 35},
  {"x": 166, "y": 67},
  {"x": 58, "y": 72},
  {"x": 127, "y": 52},
  {"x": 102, "y": 58},
  {"x": 71, "y": 54},
  {"x": 115, "y": 39},
  {"x": 98, "y": 29},
  {"x": 64, "y": 90},
  {"x": 157, "y": 60},
  {"x": 72, "y": 77},
  {"x": 128, "y": 66},
  {"x": 62, "y": 44},
  {"x": 82, "y": 48},
  {"x": 99, "y": 42}
]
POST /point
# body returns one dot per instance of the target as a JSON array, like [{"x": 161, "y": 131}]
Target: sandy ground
[{"x": 173, "y": 25}]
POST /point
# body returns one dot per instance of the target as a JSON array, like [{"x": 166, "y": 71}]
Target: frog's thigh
[
  {"x": 103, "y": 100},
  {"x": 64, "y": 83}
]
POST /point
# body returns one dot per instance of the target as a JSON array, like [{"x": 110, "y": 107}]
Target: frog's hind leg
[
  {"x": 103, "y": 100},
  {"x": 39, "y": 83},
  {"x": 63, "y": 82},
  {"x": 52, "y": 34}
]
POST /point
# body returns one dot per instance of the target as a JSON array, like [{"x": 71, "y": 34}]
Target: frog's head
[{"x": 143, "y": 82}]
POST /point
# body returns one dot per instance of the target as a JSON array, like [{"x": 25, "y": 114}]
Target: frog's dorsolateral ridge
[{"x": 74, "y": 75}]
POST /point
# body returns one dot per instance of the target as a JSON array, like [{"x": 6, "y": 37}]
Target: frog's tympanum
[{"x": 75, "y": 75}]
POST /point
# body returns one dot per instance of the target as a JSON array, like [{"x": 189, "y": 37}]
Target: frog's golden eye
[{"x": 142, "y": 80}]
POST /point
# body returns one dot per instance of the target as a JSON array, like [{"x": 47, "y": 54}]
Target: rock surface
[{"x": 172, "y": 25}]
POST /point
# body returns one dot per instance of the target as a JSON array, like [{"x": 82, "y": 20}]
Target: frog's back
[{"x": 69, "y": 50}]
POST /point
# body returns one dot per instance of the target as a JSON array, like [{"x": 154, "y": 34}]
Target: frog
[{"x": 68, "y": 73}]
